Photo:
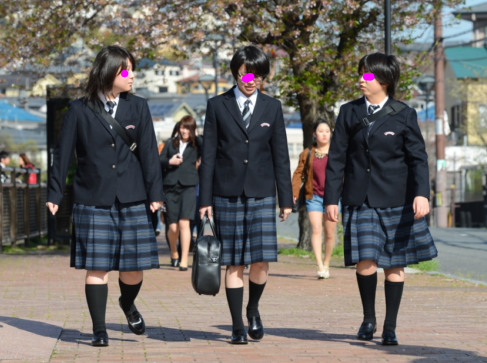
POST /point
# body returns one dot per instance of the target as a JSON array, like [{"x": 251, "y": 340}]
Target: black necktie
[
  {"x": 111, "y": 105},
  {"x": 246, "y": 114},
  {"x": 372, "y": 109}
]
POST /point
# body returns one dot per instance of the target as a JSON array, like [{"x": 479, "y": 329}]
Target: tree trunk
[{"x": 304, "y": 231}]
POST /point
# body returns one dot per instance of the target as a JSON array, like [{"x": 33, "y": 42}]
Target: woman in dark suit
[
  {"x": 178, "y": 160},
  {"x": 245, "y": 156},
  {"x": 384, "y": 170},
  {"x": 115, "y": 187}
]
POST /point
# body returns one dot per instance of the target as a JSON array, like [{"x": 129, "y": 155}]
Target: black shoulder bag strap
[
  {"x": 305, "y": 170},
  {"x": 123, "y": 133},
  {"x": 391, "y": 109}
]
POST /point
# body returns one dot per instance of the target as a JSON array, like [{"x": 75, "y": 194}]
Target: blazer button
[
  {"x": 246, "y": 141},
  {"x": 366, "y": 150},
  {"x": 113, "y": 145},
  {"x": 246, "y": 161},
  {"x": 368, "y": 170},
  {"x": 113, "y": 166}
]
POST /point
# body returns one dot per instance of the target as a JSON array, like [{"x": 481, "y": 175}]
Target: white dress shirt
[
  {"x": 104, "y": 100},
  {"x": 367, "y": 104},
  {"x": 241, "y": 98},
  {"x": 182, "y": 147}
]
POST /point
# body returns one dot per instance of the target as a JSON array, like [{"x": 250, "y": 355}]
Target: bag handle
[{"x": 203, "y": 222}]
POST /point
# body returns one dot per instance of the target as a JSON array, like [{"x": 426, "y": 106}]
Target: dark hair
[
  {"x": 25, "y": 158},
  {"x": 385, "y": 68},
  {"x": 315, "y": 127},
  {"x": 105, "y": 68},
  {"x": 4, "y": 154},
  {"x": 255, "y": 61},
  {"x": 187, "y": 122},
  {"x": 175, "y": 129}
]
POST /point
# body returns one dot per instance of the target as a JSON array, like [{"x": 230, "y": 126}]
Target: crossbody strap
[
  {"x": 391, "y": 109},
  {"x": 123, "y": 133}
]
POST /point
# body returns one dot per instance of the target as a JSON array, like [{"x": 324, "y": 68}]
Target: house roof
[
  {"x": 480, "y": 12},
  {"x": 467, "y": 62},
  {"x": 166, "y": 107},
  {"x": 12, "y": 113},
  {"x": 145, "y": 63},
  {"x": 196, "y": 77}
]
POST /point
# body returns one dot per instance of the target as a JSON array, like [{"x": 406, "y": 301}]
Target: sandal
[{"x": 323, "y": 272}]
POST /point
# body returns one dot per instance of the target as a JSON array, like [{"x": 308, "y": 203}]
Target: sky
[{"x": 450, "y": 28}]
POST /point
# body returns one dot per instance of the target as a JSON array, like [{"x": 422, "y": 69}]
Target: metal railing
[{"x": 23, "y": 212}]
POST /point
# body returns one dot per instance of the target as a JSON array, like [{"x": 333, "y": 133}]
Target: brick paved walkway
[{"x": 44, "y": 318}]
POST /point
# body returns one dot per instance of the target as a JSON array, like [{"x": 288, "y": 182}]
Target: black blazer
[
  {"x": 107, "y": 169},
  {"x": 185, "y": 173},
  {"x": 236, "y": 160},
  {"x": 390, "y": 168}
]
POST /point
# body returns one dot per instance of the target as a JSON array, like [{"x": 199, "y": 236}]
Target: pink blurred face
[
  {"x": 247, "y": 88},
  {"x": 185, "y": 133},
  {"x": 371, "y": 88}
]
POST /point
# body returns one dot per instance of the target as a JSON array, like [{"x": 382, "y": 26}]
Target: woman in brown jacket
[{"x": 314, "y": 191}]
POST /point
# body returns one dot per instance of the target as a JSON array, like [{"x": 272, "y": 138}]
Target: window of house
[
  {"x": 456, "y": 117},
  {"x": 483, "y": 117},
  {"x": 163, "y": 89}
]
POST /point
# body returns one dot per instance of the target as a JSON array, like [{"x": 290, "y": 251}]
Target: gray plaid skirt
[
  {"x": 246, "y": 228},
  {"x": 120, "y": 238},
  {"x": 389, "y": 236}
]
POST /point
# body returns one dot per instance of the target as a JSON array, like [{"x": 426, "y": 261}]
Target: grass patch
[
  {"x": 35, "y": 245},
  {"x": 432, "y": 265},
  {"x": 298, "y": 252},
  {"x": 338, "y": 251}
]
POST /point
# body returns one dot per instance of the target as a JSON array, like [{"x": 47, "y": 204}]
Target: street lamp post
[
  {"x": 426, "y": 84},
  {"x": 206, "y": 81},
  {"x": 387, "y": 26}
]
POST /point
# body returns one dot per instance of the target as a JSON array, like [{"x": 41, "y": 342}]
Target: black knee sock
[
  {"x": 367, "y": 286},
  {"x": 393, "y": 292},
  {"x": 235, "y": 303},
  {"x": 129, "y": 293},
  {"x": 96, "y": 297},
  {"x": 255, "y": 292}
]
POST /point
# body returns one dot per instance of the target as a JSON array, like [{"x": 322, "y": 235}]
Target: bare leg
[
  {"x": 185, "y": 240},
  {"x": 173, "y": 235},
  {"x": 258, "y": 272},
  {"x": 96, "y": 277},
  {"x": 316, "y": 220},
  {"x": 329, "y": 239}
]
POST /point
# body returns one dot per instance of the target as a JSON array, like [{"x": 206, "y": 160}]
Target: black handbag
[
  {"x": 301, "y": 201},
  {"x": 207, "y": 262}
]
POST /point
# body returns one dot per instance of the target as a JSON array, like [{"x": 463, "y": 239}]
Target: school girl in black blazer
[
  {"x": 384, "y": 171},
  {"x": 179, "y": 159},
  {"x": 114, "y": 189},
  {"x": 245, "y": 156}
]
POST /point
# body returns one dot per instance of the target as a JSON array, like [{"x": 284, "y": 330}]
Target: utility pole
[
  {"x": 387, "y": 26},
  {"x": 441, "y": 208}
]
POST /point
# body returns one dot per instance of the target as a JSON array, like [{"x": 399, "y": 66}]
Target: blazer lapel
[
  {"x": 381, "y": 120},
  {"x": 231, "y": 104},
  {"x": 97, "y": 106},
  {"x": 360, "y": 110},
  {"x": 123, "y": 108},
  {"x": 259, "y": 108}
]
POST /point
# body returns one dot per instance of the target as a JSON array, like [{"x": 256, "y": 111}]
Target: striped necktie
[
  {"x": 111, "y": 105},
  {"x": 246, "y": 114},
  {"x": 371, "y": 110}
]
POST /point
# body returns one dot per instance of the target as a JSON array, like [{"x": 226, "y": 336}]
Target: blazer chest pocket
[{"x": 87, "y": 169}]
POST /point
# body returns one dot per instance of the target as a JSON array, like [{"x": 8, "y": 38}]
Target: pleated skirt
[
  {"x": 246, "y": 228},
  {"x": 389, "y": 236},
  {"x": 120, "y": 238}
]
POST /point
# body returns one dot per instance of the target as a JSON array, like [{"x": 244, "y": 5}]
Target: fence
[{"x": 23, "y": 212}]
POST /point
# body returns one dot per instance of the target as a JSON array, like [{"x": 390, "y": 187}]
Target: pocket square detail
[
  {"x": 389, "y": 133},
  {"x": 265, "y": 124},
  {"x": 130, "y": 127}
]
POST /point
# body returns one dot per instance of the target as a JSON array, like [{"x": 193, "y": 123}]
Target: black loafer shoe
[
  {"x": 239, "y": 337},
  {"x": 256, "y": 329},
  {"x": 100, "y": 339},
  {"x": 174, "y": 262},
  {"x": 183, "y": 268},
  {"x": 366, "y": 331},
  {"x": 389, "y": 338},
  {"x": 135, "y": 320}
]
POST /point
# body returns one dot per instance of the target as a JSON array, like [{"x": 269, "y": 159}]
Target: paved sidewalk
[{"x": 44, "y": 318}]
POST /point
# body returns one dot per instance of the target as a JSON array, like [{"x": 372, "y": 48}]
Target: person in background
[
  {"x": 25, "y": 163},
  {"x": 314, "y": 191},
  {"x": 4, "y": 161},
  {"x": 178, "y": 161}
]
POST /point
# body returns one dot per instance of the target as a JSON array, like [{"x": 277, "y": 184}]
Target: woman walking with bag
[
  {"x": 384, "y": 170},
  {"x": 245, "y": 155},
  {"x": 311, "y": 169},
  {"x": 178, "y": 161},
  {"x": 115, "y": 189}
]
